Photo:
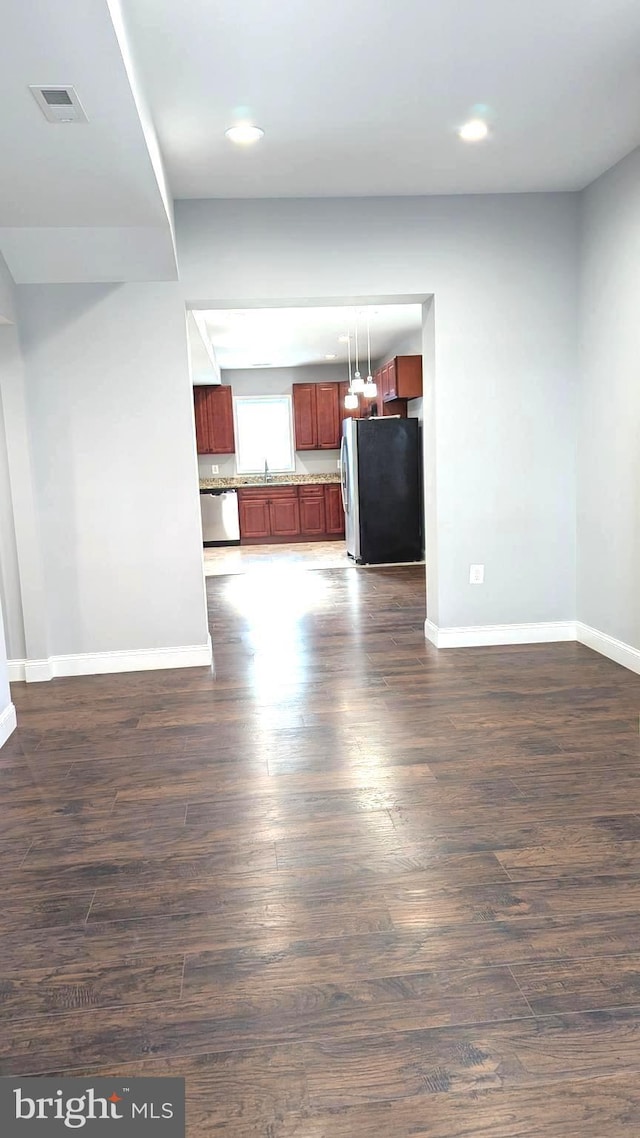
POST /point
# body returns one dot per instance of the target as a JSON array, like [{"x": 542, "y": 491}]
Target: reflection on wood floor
[
  {"x": 219, "y": 561},
  {"x": 350, "y": 887}
]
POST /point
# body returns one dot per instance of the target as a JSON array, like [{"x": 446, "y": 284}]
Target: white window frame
[{"x": 237, "y": 401}]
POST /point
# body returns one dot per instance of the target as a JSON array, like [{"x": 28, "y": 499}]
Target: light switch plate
[
  {"x": 215, "y": 469},
  {"x": 476, "y": 574}
]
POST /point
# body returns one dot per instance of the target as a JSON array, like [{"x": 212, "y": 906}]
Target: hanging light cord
[
  {"x": 357, "y": 352},
  {"x": 368, "y": 344},
  {"x": 349, "y": 357}
]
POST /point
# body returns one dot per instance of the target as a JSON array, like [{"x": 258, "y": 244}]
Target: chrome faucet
[{"x": 266, "y": 470}]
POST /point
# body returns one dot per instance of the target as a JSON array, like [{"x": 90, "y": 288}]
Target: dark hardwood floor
[{"x": 350, "y": 888}]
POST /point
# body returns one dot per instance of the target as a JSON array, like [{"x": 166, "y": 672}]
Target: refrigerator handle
[{"x": 343, "y": 474}]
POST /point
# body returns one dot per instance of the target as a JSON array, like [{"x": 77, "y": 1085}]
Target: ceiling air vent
[{"x": 59, "y": 104}]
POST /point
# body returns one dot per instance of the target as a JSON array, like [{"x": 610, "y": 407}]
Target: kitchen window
[{"x": 264, "y": 433}]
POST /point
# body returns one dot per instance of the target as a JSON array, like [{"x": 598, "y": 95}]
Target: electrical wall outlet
[
  {"x": 338, "y": 464},
  {"x": 476, "y": 574},
  {"x": 215, "y": 469}
]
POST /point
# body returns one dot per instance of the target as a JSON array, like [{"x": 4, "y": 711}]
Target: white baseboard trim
[
  {"x": 33, "y": 671},
  {"x": 543, "y": 633},
  {"x": 484, "y": 635},
  {"x": 607, "y": 645},
  {"x": 8, "y": 723},
  {"x": 102, "y": 663},
  {"x": 431, "y": 631}
]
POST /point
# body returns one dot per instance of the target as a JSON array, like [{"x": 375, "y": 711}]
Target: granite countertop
[{"x": 239, "y": 480}]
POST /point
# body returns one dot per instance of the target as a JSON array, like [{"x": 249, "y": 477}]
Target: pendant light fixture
[
  {"x": 358, "y": 382},
  {"x": 370, "y": 390},
  {"x": 350, "y": 399}
]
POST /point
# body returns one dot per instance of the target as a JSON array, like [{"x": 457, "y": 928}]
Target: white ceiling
[
  {"x": 83, "y": 201},
  {"x": 85, "y": 174},
  {"x": 355, "y": 99},
  {"x": 364, "y": 98},
  {"x": 291, "y": 337}
]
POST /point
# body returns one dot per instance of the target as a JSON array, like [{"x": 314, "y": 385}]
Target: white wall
[
  {"x": 203, "y": 368},
  {"x": 110, "y": 408},
  {"x": 7, "y": 710},
  {"x": 608, "y": 526},
  {"x": 10, "y": 592},
  {"x": 8, "y": 561},
  {"x": 10, "y": 601},
  {"x": 278, "y": 381},
  {"x": 111, "y": 418},
  {"x": 504, "y": 272},
  {"x": 20, "y": 539},
  {"x": 415, "y": 409},
  {"x": 22, "y": 582}
]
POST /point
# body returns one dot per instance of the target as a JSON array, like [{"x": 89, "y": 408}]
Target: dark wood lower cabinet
[
  {"x": 255, "y": 521},
  {"x": 333, "y": 509},
  {"x": 307, "y": 512},
  {"x": 312, "y": 512},
  {"x": 284, "y": 514}
]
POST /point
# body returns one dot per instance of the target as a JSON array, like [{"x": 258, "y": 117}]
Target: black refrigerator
[{"x": 381, "y": 475}]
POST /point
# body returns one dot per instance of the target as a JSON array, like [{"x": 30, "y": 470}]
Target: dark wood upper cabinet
[
  {"x": 404, "y": 378},
  {"x": 400, "y": 378},
  {"x": 328, "y": 419},
  {"x": 223, "y": 435},
  {"x": 213, "y": 407},
  {"x": 391, "y": 386},
  {"x": 305, "y": 418},
  {"x": 318, "y": 411},
  {"x": 201, "y": 412},
  {"x": 383, "y": 383},
  {"x": 398, "y": 381}
]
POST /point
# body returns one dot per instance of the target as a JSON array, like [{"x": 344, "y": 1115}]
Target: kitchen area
[{"x": 308, "y": 457}]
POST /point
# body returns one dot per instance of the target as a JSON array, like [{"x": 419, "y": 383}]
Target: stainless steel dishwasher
[{"x": 220, "y": 521}]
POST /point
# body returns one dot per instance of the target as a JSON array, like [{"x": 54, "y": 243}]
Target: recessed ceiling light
[
  {"x": 343, "y": 339},
  {"x": 244, "y": 134},
  {"x": 473, "y": 131},
  {"x": 330, "y": 356}
]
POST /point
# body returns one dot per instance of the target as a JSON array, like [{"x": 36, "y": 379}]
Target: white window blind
[{"x": 264, "y": 434}]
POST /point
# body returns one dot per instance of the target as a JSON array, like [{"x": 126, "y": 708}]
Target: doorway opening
[{"x": 274, "y": 385}]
